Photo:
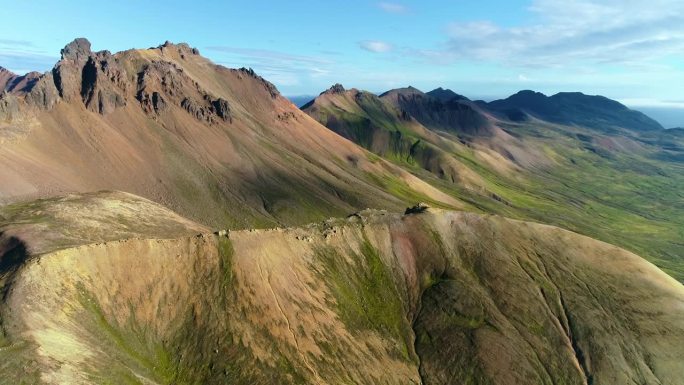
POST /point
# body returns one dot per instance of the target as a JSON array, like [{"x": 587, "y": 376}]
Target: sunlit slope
[
  {"x": 220, "y": 146},
  {"x": 434, "y": 298}
]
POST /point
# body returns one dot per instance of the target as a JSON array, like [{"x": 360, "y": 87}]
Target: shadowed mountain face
[
  {"x": 445, "y": 95},
  {"x": 378, "y": 298},
  {"x": 219, "y": 145},
  {"x": 440, "y": 110},
  {"x": 10, "y": 82},
  {"x": 574, "y": 108}
]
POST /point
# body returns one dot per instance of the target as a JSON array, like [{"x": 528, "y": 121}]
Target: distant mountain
[
  {"x": 446, "y": 111},
  {"x": 573, "y": 108},
  {"x": 17, "y": 84},
  {"x": 445, "y": 95},
  {"x": 379, "y": 126},
  {"x": 301, "y": 100},
  {"x": 548, "y": 159}
]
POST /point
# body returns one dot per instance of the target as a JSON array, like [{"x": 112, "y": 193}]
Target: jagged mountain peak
[
  {"x": 336, "y": 88},
  {"x": 78, "y": 49},
  {"x": 154, "y": 79}
]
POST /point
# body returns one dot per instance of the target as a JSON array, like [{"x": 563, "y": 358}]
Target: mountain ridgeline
[
  {"x": 121, "y": 171},
  {"x": 573, "y": 108}
]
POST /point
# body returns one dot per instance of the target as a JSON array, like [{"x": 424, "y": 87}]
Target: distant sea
[{"x": 668, "y": 117}]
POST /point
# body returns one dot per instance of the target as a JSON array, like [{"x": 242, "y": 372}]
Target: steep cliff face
[
  {"x": 218, "y": 145},
  {"x": 378, "y": 298}
]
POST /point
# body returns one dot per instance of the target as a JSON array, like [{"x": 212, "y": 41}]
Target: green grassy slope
[
  {"x": 623, "y": 187},
  {"x": 377, "y": 298}
]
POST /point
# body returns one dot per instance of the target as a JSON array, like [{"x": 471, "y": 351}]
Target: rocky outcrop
[
  {"x": 68, "y": 72},
  {"x": 161, "y": 84},
  {"x": 272, "y": 90},
  {"x": 9, "y": 107},
  {"x": 102, "y": 82},
  {"x": 336, "y": 88},
  {"x": 95, "y": 79},
  {"x": 221, "y": 108},
  {"x": 44, "y": 93},
  {"x": 208, "y": 110},
  {"x": 183, "y": 49}
]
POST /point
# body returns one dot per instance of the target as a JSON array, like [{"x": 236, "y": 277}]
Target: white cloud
[
  {"x": 393, "y": 7},
  {"x": 375, "y": 46},
  {"x": 20, "y": 57},
  {"x": 523, "y": 78},
  {"x": 575, "y": 31}
]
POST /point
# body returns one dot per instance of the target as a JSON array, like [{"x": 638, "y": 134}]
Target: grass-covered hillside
[
  {"x": 617, "y": 184},
  {"x": 376, "y": 298}
]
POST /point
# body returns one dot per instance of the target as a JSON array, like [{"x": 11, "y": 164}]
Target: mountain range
[{"x": 167, "y": 220}]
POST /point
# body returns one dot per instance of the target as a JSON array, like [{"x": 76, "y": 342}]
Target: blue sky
[{"x": 625, "y": 49}]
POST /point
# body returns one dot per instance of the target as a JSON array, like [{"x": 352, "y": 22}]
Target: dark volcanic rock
[
  {"x": 336, "y": 89},
  {"x": 23, "y": 84},
  {"x": 197, "y": 110},
  {"x": 161, "y": 84},
  {"x": 102, "y": 83},
  {"x": 153, "y": 102},
  {"x": 77, "y": 51},
  {"x": 68, "y": 72},
  {"x": 95, "y": 78},
  {"x": 44, "y": 93},
  {"x": 222, "y": 109}
]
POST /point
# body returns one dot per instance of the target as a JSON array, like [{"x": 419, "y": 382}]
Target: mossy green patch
[
  {"x": 365, "y": 293},
  {"x": 137, "y": 355}
]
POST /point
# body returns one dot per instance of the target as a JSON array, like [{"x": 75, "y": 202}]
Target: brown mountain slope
[
  {"x": 377, "y": 298},
  {"x": 218, "y": 145}
]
